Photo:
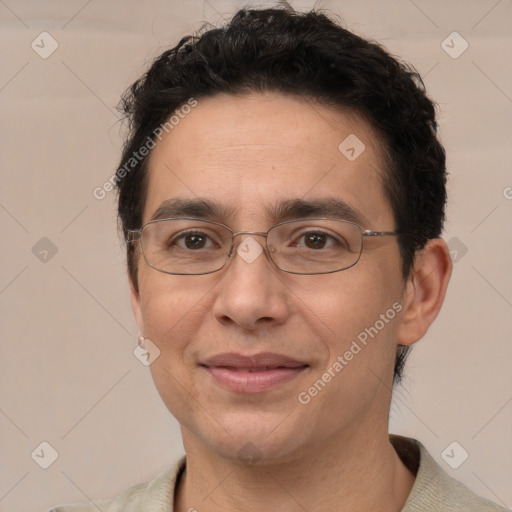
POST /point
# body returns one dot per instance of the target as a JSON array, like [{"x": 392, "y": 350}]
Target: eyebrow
[
  {"x": 328, "y": 207},
  {"x": 197, "y": 208},
  {"x": 283, "y": 210}
]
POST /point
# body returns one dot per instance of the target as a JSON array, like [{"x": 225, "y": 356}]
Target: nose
[{"x": 251, "y": 294}]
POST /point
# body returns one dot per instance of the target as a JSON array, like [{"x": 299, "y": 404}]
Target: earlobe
[{"x": 425, "y": 291}]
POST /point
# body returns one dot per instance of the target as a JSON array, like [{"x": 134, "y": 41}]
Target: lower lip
[{"x": 253, "y": 382}]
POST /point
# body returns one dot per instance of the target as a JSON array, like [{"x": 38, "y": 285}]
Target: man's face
[{"x": 249, "y": 155}]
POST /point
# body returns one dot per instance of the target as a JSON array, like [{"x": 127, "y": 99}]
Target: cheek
[
  {"x": 344, "y": 304},
  {"x": 356, "y": 319},
  {"x": 171, "y": 307}
]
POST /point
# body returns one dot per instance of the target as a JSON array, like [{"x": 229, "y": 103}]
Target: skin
[{"x": 332, "y": 453}]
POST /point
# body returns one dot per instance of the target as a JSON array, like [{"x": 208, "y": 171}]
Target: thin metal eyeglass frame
[{"x": 134, "y": 235}]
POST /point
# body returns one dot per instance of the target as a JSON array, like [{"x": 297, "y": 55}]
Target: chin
[{"x": 251, "y": 438}]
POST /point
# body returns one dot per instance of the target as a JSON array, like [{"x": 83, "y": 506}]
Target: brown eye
[
  {"x": 195, "y": 241},
  {"x": 191, "y": 241},
  {"x": 315, "y": 240}
]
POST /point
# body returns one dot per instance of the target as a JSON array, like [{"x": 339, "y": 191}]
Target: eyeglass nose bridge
[{"x": 256, "y": 233}]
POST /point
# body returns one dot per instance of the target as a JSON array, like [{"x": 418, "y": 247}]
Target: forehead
[{"x": 250, "y": 154}]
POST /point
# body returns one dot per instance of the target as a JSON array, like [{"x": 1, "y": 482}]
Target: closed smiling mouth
[{"x": 253, "y": 373}]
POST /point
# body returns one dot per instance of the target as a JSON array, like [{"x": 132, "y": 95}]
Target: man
[{"x": 282, "y": 196}]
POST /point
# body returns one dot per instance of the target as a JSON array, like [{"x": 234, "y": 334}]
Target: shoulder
[
  {"x": 156, "y": 495},
  {"x": 434, "y": 489}
]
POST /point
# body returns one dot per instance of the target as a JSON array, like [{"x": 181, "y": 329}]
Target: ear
[
  {"x": 136, "y": 308},
  {"x": 425, "y": 291}
]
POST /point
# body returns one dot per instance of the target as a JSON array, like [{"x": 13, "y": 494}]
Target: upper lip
[{"x": 267, "y": 360}]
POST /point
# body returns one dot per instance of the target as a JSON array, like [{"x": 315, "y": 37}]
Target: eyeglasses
[{"x": 187, "y": 246}]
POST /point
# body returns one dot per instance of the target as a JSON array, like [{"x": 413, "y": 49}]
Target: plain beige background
[{"x": 67, "y": 370}]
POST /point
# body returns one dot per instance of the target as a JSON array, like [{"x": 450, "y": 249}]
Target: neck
[{"x": 362, "y": 474}]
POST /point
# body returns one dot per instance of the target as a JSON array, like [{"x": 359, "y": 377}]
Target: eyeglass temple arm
[
  {"x": 368, "y": 232},
  {"x": 132, "y": 235}
]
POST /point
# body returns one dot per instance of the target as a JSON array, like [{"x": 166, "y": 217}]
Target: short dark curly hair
[{"x": 307, "y": 55}]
